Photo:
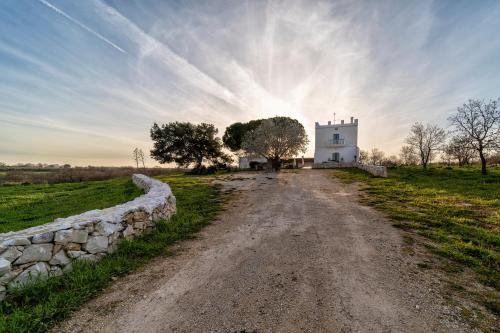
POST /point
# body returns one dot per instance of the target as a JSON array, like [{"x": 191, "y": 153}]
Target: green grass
[
  {"x": 24, "y": 206},
  {"x": 37, "y": 307},
  {"x": 457, "y": 208}
]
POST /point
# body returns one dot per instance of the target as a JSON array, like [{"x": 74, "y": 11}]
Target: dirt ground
[{"x": 293, "y": 252}]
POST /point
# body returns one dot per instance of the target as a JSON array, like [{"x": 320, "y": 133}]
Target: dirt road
[{"x": 292, "y": 253}]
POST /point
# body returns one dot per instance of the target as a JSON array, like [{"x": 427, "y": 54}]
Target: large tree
[
  {"x": 276, "y": 138},
  {"x": 426, "y": 140},
  {"x": 186, "y": 144},
  {"x": 479, "y": 123},
  {"x": 234, "y": 134}
]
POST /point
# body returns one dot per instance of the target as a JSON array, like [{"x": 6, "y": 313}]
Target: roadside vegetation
[
  {"x": 38, "y": 307},
  {"x": 24, "y": 206},
  {"x": 458, "y": 209}
]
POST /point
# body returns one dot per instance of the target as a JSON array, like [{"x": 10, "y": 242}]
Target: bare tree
[
  {"x": 138, "y": 156},
  {"x": 459, "y": 148},
  {"x": 376, "y": 156},
  {"x": 276, "y": 138},
  {"x": 408, "y": 155},
  {"x": 479, "y": 122},
  {"x": 426, "y": 140},
  {"x": 364, "y": 156}
]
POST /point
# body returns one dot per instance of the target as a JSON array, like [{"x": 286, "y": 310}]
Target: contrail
[{"x": 81, "y": 25}]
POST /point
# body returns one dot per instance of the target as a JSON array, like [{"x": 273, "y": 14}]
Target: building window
[{"x": 336, "y": 157}]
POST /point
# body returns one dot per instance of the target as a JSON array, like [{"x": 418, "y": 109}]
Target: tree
[
  {"x": 364, "y": 157},
  {"x": 408, "y": 155},
  {"x": 479, "y": 122},
  {"x": 460, "y": 149},
  {"x": 186, "y": 144},
  {"x": 234, "y": 134},
  {"x": 138, "y": 156},
  {"x": 276, "y": 138},
  {"x": 376, "y": 156},
  {"x": 426, "y": 140}
]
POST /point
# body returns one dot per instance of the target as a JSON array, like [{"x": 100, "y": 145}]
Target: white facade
[{"x": 337, "y": 142}]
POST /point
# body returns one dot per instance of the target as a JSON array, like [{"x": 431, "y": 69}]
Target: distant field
[
  {"x": 457, "y": 208},
  {"x": 23, "y": 206}
]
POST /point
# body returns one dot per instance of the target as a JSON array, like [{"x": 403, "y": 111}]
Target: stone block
[
  {"x": 37, "y": 271},
  {"x": 80, "y": 236},
  {"x": 97, "y": 244},
  {"x": 60, "y": 258},
  {"x": 11, "y": 254},
  {"x": 63, "y": 236},
  {"x": 4, "y": 266},
  {"x": 35, "y": 253},
  {"x": 46, "y": 237}
]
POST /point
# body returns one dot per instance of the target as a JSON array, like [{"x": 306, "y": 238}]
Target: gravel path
[{"x": 291, "y": 253}]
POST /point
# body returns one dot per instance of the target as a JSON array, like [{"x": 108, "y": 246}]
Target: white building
[{"x": 336, "y": 142}]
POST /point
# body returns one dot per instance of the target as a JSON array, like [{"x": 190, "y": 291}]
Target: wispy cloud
[
  {"x": 81, "y": 25},
  {"x": 389, "y": 63}
]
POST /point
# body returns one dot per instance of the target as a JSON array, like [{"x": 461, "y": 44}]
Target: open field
[
  {"x": 456, "y": 208},
  {"x": 21, "y": 175},
  {"x": 23, "y": 206},
  {"x": 38, "y": 307}
]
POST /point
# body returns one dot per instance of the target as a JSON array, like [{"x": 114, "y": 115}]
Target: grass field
[
  {"x": 456, "y": 208},
  {"x": 38, "y": 307},
  {"x": 23, "y": 206}
]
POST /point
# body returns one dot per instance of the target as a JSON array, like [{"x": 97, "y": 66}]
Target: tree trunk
[
  {"x": 483, "y": 162},
  {"x": 275, "y": 164}
]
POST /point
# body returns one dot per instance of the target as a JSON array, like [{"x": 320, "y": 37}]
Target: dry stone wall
[
  {"x": 50, "y": 249},
  {"x": 376, "y": 170}
]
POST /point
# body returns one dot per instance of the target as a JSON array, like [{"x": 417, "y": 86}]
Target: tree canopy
[
  {"x": 478, "y": 123},
  {"x": 276, "y": 138},
  {"x": 186, "y": 144},
  {"x": 234, "y": 134},
  {"x": 426, "y": 140}
]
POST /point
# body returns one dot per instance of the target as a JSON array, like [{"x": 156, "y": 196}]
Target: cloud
[{"x": 81, "y": 25}]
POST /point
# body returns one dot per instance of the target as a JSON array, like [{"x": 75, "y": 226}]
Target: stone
[
  {"x": 46, "y": 237},
  {"x": 128, "y": 232},
  {"x": 63, "y": 236},
  {"x": 6, "y": 278},
  {"x": 75, "y": 254},
  {"x": 4, "y": 266},
  {"x": 3, "y": 293},
  {"x": 11, "y": 254},
  {"x": 35, "y": 252},
  {"x": 57, "y": 248},
  {"x": 56, "y": 271},
  {"x": 139, "y": 225},
  {"x": 97, "y": 244},
  {"x": 60, "y": 259},
  {"x": 80, "y": 236},
  {"x": 106, "y": 228},
  {"x": 16, "y": 241},
  {"x": 72, "y": 247},
  {"x": 37, "y": 271}
]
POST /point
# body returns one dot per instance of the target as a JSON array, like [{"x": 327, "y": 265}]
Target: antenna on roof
[{"x": 334, "y": 114}]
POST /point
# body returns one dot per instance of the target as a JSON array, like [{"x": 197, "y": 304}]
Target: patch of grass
[
  {"x": 37, "y": 307},
  {"x": 24, "y": 206},
  {"x": 457, "y": 208}
]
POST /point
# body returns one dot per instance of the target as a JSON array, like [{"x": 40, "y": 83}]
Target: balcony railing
[{"x": 336, "y": 141}]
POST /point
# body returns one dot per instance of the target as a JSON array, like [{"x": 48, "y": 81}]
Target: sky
[{"x": 82, "y": 82}]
